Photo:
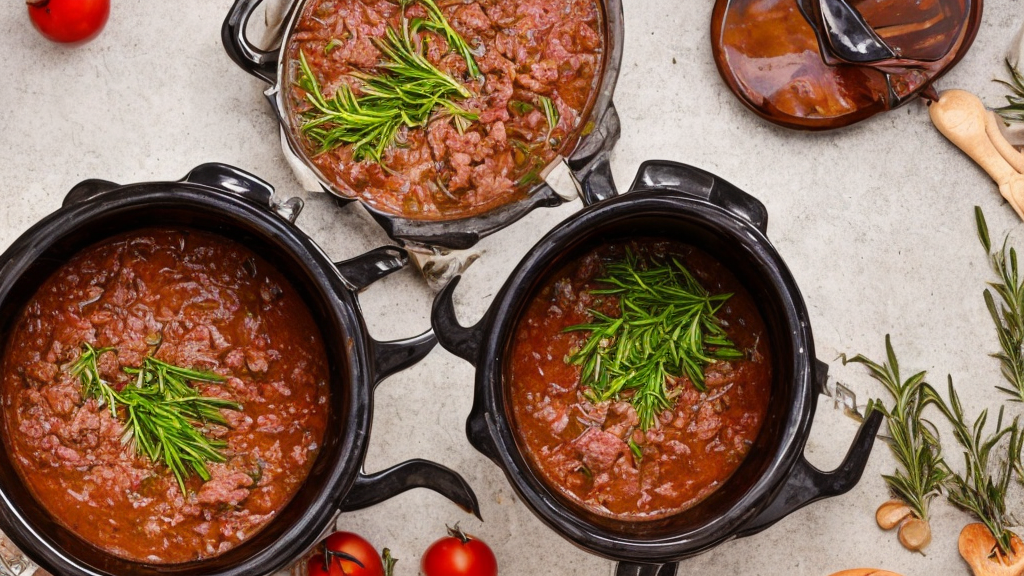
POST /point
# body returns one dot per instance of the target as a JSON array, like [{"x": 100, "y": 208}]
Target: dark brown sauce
[
  {"x": 526, "y": 49},
  {"x": 580, "y": 448},
  {"x": 210, "y": 304}
]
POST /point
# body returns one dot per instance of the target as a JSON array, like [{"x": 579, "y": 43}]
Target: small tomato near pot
[
  {"x": 348, "y": 554},
  {"x": 69, "y": 21},
  {"x": 458, "y": 555}
]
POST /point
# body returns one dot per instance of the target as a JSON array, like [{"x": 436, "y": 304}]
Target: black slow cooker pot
[
  {"x": 229, "y": 202},
  {"x": 587, "y": 161},
  {"x": 692, "y": 206}
]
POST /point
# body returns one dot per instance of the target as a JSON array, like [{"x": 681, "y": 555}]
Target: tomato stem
[
  {"x": 457, "y": 532},
  {"x": 389, "y": 562},
  {"x": 329, "y": 555}
]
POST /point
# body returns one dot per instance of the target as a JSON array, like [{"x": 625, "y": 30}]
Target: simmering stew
[
  {"x": 615, "y": 456},
  {"x": 190, "y": 299},
  {"x": 532, "y": 54}
]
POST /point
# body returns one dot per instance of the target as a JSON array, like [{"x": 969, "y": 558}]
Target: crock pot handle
[
  {"x": 260, "y": 63},
  {"x": 454, "y": 337},
  {"x": 370, "y": 489},
  {"x": 807, "y": 484},
  {"x": 630, "y": 569},
  {"x": 591, "y": 165},
  {"x": 465, "y": 343},
  {"x": 87, "y": 190},
  {"x": 360, "y": 272},
  {"x": 692, "y": 181},
  {"x": 225, "y": 178},
  {"x": 366, "y": 269}
]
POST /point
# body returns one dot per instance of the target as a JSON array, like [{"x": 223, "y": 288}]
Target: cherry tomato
[
  {"x": 459, "y": 555},
  {"x": 341, "y": 548},
  {"x": 69, "y": 21}
]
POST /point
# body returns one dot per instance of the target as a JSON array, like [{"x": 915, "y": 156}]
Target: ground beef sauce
[
  {"x": 525, "y": 49},
  {"x": 199, "y": 301},
  {"x": 580, "y": 448}
]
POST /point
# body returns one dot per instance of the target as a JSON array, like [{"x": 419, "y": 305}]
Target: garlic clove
[{"x": 891, "y": 513}]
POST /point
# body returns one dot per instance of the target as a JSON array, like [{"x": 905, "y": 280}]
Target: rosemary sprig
[
  {"x": 1014, "y": 111},
  {"x": 550, "y": 114},
  {"x": 1008, "y": 316},
  {"x": 976, "y": 490},
  {"x": 666, "y": 327},
  {"x": 436, "y": 22},
  {"x": 406, "y": 93},
  {"x": 93, "y": 385},
  {"x": 161, "y": 412},
  {"x": 912, "y": 439}
]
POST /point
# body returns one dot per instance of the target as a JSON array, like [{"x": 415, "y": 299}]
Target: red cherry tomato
[
  {"x": 317, "y": 566},
  {"x": 340, "y": 548},
  {"x": 459, "y": 555},
  {"x": 69, "y": 21}
]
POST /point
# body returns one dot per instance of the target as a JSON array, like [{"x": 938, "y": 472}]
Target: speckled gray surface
[{"x": 875, "y": 222}]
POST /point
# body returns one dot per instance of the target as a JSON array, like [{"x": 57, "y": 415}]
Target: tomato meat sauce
[
  {"x": 188, "y": 298},
  {"x": 596, "y": 454},
  {"x": 526, "y": 50}
]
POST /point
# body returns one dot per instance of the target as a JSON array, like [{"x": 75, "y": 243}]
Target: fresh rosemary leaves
[
  {"x": 976, "y": 490},
  {"x": 160, "y": 412},
  {"x": 405, "y": 93},
  {"x": 667, "y": 327},
  {"x": 436, "y": 22},
  {"x": 1008, "y": 316},
  {"x": 550, "y": 114},
  {"x": 921, "y": 470},
  {"x": 1014, "y": 111}
]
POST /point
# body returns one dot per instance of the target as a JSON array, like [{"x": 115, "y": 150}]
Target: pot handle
[
  {"x": 388, "y": 358},
  {"x": 631, "y": 569},
  {"x": 454, "y": 337},
  {"x": 260, "y": 63},
  {"x": 87, "y": 190},
  {"x": 365, "y": 269},
  {"x": 591, "y": 164},
  {"x": 807, "y": 484},
  {"x": 225, "y": 178},
  {"x": 692, "y": 181},
  {"x": 370, "y": 489},
  {"x": 465, "y": 343}
]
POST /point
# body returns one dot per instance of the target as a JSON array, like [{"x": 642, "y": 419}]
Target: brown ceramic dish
[{"x": 822, "y": 64}]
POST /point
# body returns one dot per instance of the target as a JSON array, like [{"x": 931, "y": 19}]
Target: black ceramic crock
[
  {"x": 695, "y": 207},
  {"x": 229, "y": 202},
  {"x": 587, "y": 162}
]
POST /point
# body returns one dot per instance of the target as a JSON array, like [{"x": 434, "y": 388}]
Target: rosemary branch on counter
[
  {"x": 1014, "y": 111},
  {"x": 406, "y": 92},
  {"x": 667, "y": 327},
  {"x": 1008, "y": 316},
  {"x": 162, "y": 414},
  {"x": 976, "y": 490},
  {"x": 912, "y": 439}
]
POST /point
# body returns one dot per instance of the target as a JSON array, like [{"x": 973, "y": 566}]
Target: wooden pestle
[
  {"x": 1006, "y": 150},
  {"x": 960, "y": 116},
  {"x": 976, "y": 544}
]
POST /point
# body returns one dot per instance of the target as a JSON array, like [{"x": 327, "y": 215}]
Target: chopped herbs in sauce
[
  {"x": 163, "y": 416},
  {"x": 666, "y": 328}
]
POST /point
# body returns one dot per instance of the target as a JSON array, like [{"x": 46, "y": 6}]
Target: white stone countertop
[{"x": 875, "y": 221}]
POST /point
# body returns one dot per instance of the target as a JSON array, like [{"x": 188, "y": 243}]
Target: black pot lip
[
  {"x": 338, "y": 297},
  {"x": 501, "y": 319},
  {"x": 464, "y": 232}
]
